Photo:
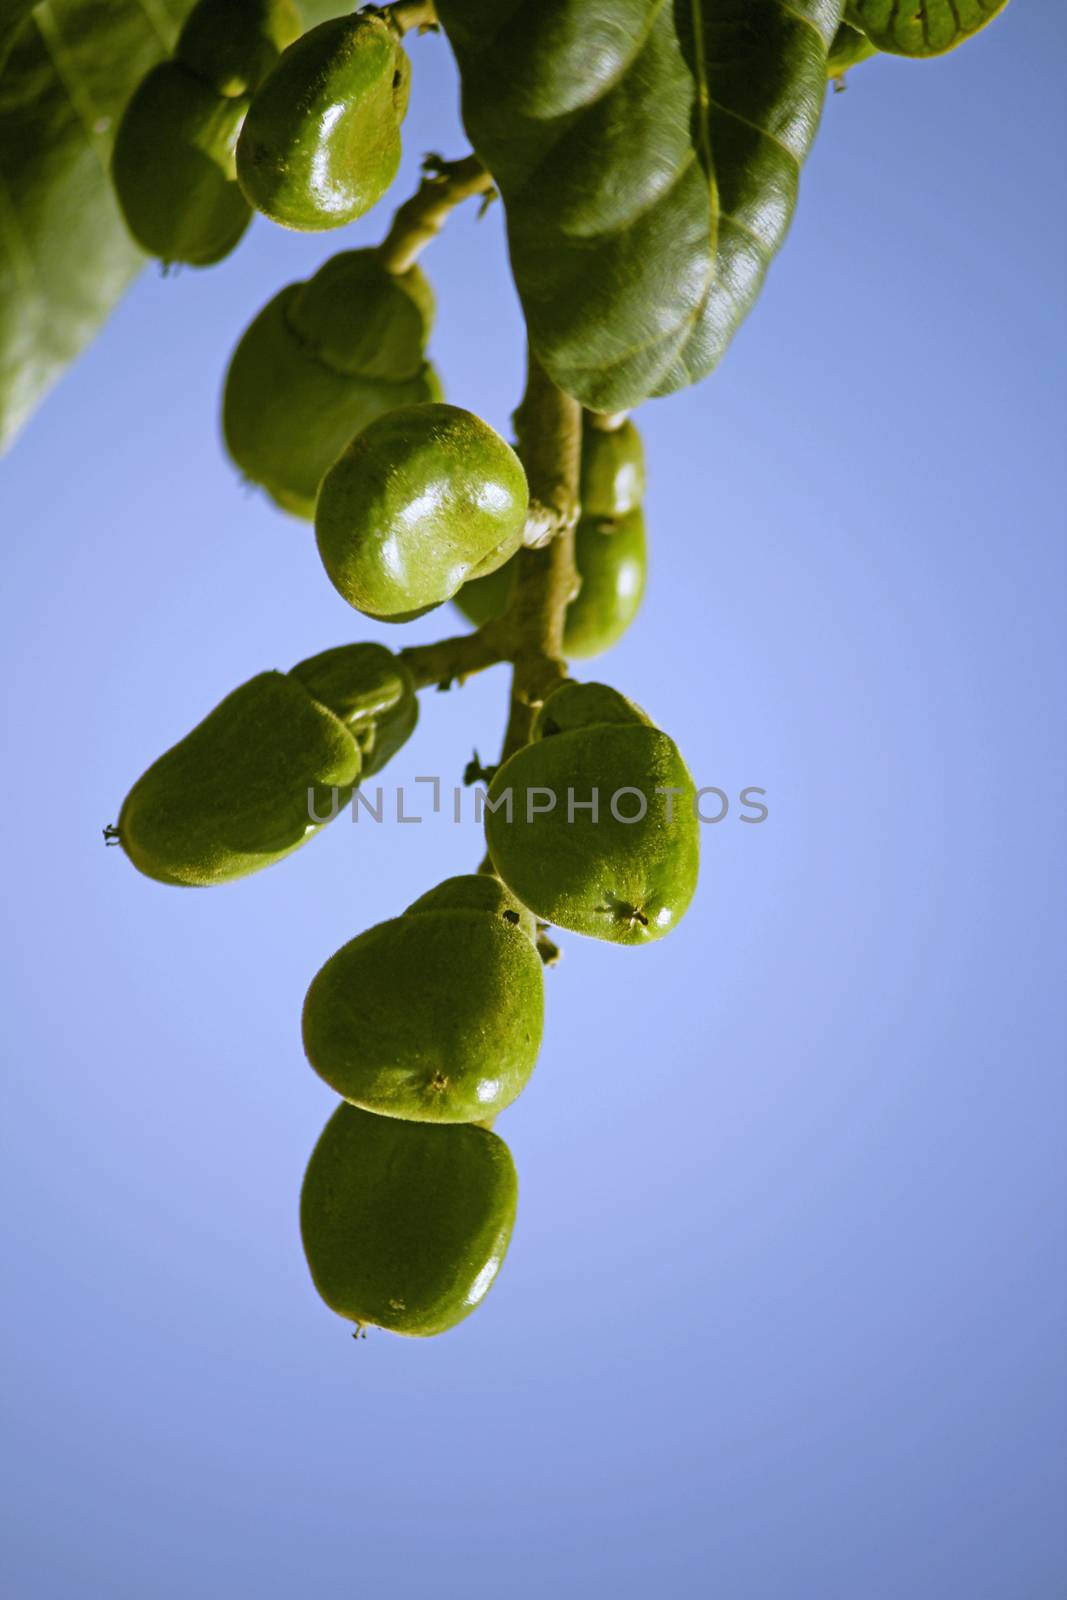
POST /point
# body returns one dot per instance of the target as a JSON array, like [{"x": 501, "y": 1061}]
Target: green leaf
[
  {"x": 648, "y": 154},
  {"x": 921, "y": 27},
  {"x": 67, "y": 68},
  {"x": 65, "y": 255}
]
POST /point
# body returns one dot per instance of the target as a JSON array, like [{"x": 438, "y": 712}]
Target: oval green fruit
[
  {"x": 321, "y": 142},
  {"x": 625, "y": 871},
  {"x": 611, "y": 558},
  {"x": 322, "y": 360},
  {"x": 612, "y": 482},
  {"x": 405, "y": 1226},
  {"x": 421, "y": 500},
  {"x": 233, "y": 44},
  {"x": 268, "y": 767},
  {"x": 436, "y": 1015},
  {"x": 173, "y": 167}
]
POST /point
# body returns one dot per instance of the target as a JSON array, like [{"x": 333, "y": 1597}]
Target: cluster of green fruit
[
  {"x": 429, "y": 1025},
  {"x": 250, "y": 113}
]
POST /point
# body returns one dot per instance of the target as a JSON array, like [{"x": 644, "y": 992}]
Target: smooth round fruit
[
  {"x": 321, "y": 142},
  {"x": 436, "y": 1015},
  {"x": 611, "y": 560},
  {"x": 405, "y": 1226},
  {"x": 233, "y": 44},
  {"x": 322, "y": 360},
  {"x": 421, "y": 500},
  {"x": 612, "y": 482},
  {"x": 173, "y": 167},
  {"x": 627, "y": 871}
]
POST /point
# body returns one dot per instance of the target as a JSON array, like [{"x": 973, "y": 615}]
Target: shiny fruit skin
[
  {"x": 420, "y": 501},
  {"x": 321, "y": 143},
  {"x": 405, "y": 1225},
  {"x": 611, "y": 558}
]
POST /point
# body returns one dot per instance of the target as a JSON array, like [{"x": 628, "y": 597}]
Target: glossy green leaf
[
  {"x": 648, "y": 155},
  {"x": 921, "y": 27}
]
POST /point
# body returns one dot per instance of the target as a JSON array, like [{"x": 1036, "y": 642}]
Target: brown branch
[{"x": 419, "y": 220}]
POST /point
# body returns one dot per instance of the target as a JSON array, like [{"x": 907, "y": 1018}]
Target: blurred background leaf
[{"x": 67, "y": 68}]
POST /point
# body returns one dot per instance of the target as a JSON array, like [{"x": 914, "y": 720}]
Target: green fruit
[
  {"x": 625, "y": 881},
  {"x": 248, "y": 784},
  {"x": 850, "y": 46},
  {"x": 436, "y": 1015},
  {"x": 483, "y": 599},
  {"x": 610, "y": 556},
  {"x": 420, "y": 501},
  {"x": 371, "y": 691},
  {"x": 361, "y": 319},
  {"x": 322, "y": 360},
  {"x": 233, "y": 44},
  {"x": 173, "y": 167},
  {"x": 321, "y": 142},
  {"x": 613, "y": 470},
  {"x": 405, "y": 1226}
]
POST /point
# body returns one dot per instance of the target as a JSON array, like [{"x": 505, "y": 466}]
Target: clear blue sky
[{"x": 783, "y": 1313}]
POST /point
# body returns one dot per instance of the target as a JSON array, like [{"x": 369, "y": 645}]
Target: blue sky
[{"x": 783, "y": 1312}]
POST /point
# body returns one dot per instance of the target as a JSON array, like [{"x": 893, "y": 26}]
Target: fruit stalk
[
  {"x": 419, "y": 220},
  {"x": 548, "y": 431}
]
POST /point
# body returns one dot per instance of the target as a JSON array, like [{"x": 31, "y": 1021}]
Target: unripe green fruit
[
  {"x": 436, "y": 1015},
  {"x": 850, "y": 46},
  {"x": 360, "y": 318},
  {"x": 233, "y": 44},
  {"x": 371, "y": 691},
  {"x": 625, "y": 881},
  {"x": 173, "y": 167},
  {"x": 420, "y": 501},
  {"x": 613, "y": 470},
  {"x": 611, "y": 560},
  {"x": 322, "y": 360},
  {"x": 405, "y": 1226},
  {"x": 483, "y": 599},
  {"x": 321, "y": 142},
  {"x": 236, "y": 794}
]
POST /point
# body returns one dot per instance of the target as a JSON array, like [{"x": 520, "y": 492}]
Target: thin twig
[{"x": 445, "y": 186}]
